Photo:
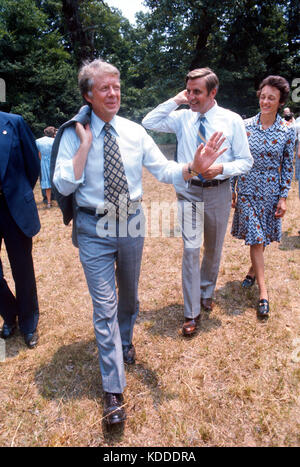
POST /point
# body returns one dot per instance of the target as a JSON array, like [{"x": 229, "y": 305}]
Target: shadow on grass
[
  {"x": 168, "y": 321},
  {"x": 73, "y": 374},
  {"x": 289, "y": 243},
  {"x": 235, "y": 300}
]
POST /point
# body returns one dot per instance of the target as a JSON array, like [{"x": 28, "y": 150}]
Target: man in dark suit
[{"x": 19, "y": 222}]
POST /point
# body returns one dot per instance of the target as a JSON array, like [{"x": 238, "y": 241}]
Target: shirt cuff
[
  {"x": 67, "y": 173},
  {"x": 178, "y": 180}
]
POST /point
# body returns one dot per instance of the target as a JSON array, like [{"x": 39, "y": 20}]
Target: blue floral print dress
[{"x": 268, "y": 180}]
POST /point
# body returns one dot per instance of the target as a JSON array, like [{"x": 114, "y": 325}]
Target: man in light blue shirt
[
  {"x": 83, "y": 168},
  {"x": 212, "y": 188}
]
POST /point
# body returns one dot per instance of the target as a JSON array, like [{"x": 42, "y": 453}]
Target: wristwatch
[{"x": 192, "y": 172}]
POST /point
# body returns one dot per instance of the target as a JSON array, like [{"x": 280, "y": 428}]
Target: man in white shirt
[
  {"x": 212, "y": 187},
  {"x": 97, "y": 161}
]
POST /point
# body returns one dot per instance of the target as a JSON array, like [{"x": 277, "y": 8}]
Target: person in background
[
  {"x": 209, "y": 191},
  {"x": 19, "y": 222},
  {"x": 259, "y": 198},
  {"x": 44, "y": 146},
  {"x": 288, "y": 116}
]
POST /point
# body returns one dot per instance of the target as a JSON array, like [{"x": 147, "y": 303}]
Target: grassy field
[{"x": 235, "y": 383}]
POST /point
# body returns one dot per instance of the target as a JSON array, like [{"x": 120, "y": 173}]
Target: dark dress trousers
[{"x": 19, "y": 220}]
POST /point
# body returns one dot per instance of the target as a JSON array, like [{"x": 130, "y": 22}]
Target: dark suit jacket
[
  {"x": 19, "y": 171},
  {"x": 67, "y": 203}
]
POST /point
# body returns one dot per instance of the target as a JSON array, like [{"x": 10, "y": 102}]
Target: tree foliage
[
  {"x": 241, "y": 40},
  {"x": 44, "y": 42},
  {"x": 34, "y": 64}
]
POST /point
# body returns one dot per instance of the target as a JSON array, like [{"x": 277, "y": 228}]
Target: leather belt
[
  {"x": 92, "y": 211},
  {"x": 207, "y": 183}
]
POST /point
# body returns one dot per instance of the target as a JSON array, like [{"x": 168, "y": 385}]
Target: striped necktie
[
  {"x": 115, "y": 182},
  {"x": 201, "y": 138}
]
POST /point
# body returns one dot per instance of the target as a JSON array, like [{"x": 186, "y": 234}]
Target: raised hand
[
  {"x": 84, "y": 134},
  {"x": 206, "y": 155},
  {"x": 181, "y": 98}
]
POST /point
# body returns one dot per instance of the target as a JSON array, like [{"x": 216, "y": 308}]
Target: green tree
[
  {"x": 242, "y": 40},
  {"x": 40, "y": 79}
]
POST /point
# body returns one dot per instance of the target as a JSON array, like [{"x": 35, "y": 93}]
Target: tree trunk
[{"x": 81, "y": 44}]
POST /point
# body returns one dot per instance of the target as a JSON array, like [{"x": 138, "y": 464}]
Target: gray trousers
[
  {"x": 201, "y": 281},
  {"x": 109, "y": 264}
]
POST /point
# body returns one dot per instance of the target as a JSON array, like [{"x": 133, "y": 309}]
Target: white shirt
[
  {"x": 185, "y": 124},
  {"x": 137, "y": 150}
]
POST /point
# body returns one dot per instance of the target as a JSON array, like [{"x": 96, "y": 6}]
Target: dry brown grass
[{"x": 236, "y": 383}]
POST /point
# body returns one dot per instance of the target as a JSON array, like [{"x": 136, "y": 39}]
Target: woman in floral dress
[{"x": 259, "y": 198}]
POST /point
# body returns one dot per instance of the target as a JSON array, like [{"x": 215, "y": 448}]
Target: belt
[
  {"x": 91, "y": 211},
  {"x": 207, "y": 183}
]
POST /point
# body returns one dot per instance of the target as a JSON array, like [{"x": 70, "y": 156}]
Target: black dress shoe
[
  {"x": 248, "y": 282},
  {"x": 263, "y": 309},
  {"x": 8, "y": 331},
  {"x": 190, "y": 326},
  {"x": 113, "y": 411},
  {"x": 207, "y": 304},
  {"x": 31, "y": 339},
  {"x": 129, "y": 354}
]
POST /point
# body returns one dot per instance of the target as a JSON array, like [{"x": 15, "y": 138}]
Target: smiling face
[
  {"x": 269, "y": 101},
  {"x": 105, "y": 96},
  {"x": 198, "y": 97}
]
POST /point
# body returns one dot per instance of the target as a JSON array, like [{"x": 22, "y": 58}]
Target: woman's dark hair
[{"x": 279, "y": 83}]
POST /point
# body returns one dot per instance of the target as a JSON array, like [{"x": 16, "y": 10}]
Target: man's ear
[
  {"x": 213, "y": 92},
  {"x": 88, "y": 96}
]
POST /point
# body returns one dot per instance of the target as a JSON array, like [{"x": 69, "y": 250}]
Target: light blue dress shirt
[
  {"x": 185, "y": 124},
  {"x": 137, "y": 150}
]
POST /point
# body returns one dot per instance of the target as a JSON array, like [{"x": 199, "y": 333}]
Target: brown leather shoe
[
  {"x": 207, "y": 304},
  {"x": 189, "y": 326}
]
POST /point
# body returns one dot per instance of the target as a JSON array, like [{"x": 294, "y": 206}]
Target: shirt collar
[
  {"x": 278, "y": 124},
  {"x": 97, "y": 124},
  {"x": 209, "y": 115}
]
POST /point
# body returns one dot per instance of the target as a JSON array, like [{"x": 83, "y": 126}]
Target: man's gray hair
[{"x": 89, "y": 70}]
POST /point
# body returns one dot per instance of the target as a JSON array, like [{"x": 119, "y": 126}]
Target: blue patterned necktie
[
  {"x": 201, "y": 138},
  {"x": 115, "y": 182}
]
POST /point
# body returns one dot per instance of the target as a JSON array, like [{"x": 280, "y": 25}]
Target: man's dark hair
[{"x": 211, "y": 79}]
